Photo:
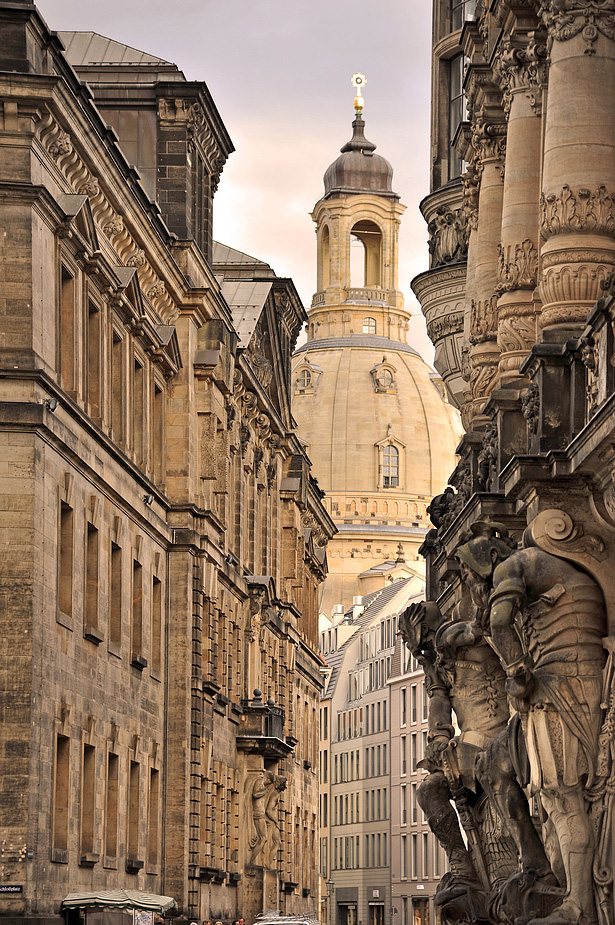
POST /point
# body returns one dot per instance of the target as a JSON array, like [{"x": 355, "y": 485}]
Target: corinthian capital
[
  {"x": 565, "y": 19},
  {"x": 488, "y": 138},
  {"x": 520, "y": 66}
]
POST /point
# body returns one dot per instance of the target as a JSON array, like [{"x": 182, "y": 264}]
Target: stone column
[
  {"x": 577, "y": 206},
  {"x": 489, "y": 144},
  {"x": 522, "y": 72}
]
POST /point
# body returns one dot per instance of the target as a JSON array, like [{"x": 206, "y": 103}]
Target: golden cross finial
[{"x": 359, "y": 81}]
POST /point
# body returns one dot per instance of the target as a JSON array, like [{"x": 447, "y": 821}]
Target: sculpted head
[{"x": 479, "y": 556}]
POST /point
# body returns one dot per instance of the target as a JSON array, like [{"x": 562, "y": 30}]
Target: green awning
[{"x": 120, "y": 899}]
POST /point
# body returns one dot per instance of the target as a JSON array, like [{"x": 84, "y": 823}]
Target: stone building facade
[
  {"x": 163, "y": 539},
  {"x": 520, "y": 308}
]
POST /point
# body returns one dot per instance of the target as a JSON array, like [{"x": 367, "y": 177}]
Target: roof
[
  {"x": 90, "y": 48},
  {"x": 246, "y": 299},
  {"x": 372, "y": 341},
  {"x": 229, "y": 256},
  {"x": 374, "y": 604},
  {"x": 120, "y": 899}
]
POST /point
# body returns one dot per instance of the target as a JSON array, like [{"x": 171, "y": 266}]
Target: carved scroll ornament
[
  {"x": 577, "y": 210},
  {"x": 566, "y": 19},
  {"x": 448, "y": 241},
  {"x": 483, "y": 320}
]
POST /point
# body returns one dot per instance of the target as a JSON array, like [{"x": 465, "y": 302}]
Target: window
[
  {"x": 60, "y": 798},
  {"x": 132, "y": 848},
  {"x": 365, "y": 254},
  {"x": 414, "y": 716},
  {"x": 369, "y": 325},
  {"x": 403, "y": 755},
  {"x": 415, "y": 859},
  {"x": 115, "y": 596},
  {"x": 88, "y": 791},
  {"x": 304, "y": 379},
  {"x": 404, "y": 805},
  {"x": 456, "y": 112},
  {"x": 404, "y": 857},
  {"x": 111, "y": 808},
  {"x": 65, "y": 560},
  {"x": 91, "y": 584},
  {"x": 137, "y": 616},
  {"x": 67, "y": 338},
  {"x": 425, "y": 855},
  {"x": 390, "y": 466},
  {"x": 403, "y": 706},
  {"x": 384, "y": 379},
  {"x": 156, "y": 624},
  {"x": 461, "y": 10}
]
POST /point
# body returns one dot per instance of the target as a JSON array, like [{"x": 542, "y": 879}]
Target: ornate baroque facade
[
  {"x": 163, "y": 540},
  {"x": 519, "y": 303}
]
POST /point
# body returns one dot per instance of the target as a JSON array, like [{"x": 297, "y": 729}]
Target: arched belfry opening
[
  {"x": 326, "y": 258},
  {"x": 365, "y": 254}
]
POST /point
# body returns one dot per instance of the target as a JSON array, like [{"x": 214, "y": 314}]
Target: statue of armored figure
[
  {"x": 546, "y": 622},
  {"x": 464, "y": 678}
]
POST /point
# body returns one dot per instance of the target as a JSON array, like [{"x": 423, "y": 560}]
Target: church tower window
[
  {"x": 365, "y": 266},
  {"x": 369, "y": 325},
  {"x": 304, "y": 380}
]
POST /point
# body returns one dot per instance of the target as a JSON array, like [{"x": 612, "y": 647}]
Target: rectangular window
[
  {"x": 413, "y": 701},
  {"x": 67, "y": 339},
  {"x": 117, "y": 387},
  {"x": 404, "y": 857},
  {"x": 461, "y": 10},
  {"x": 403, "y": 755},
  {"x": 61, "y": 798},
  {"x": 138, "y": 412},
  {"x": 404, "y": 805},
  {"x": 137, "y": 616},
  {"x": 403, "y": 718},
  {"x": 91, "y": 584},
  {"x": 456, "y": 113},
  {"x": 404, "y": 910},
  {"x": 326, "y": 722},
  {"x": 325, "y": 767},
  {"x": 157, "y": 435},
  {"x": 436, "y": 858},
  {"x": 413, "y": 751},
  {"x": 152, "y": 821},
  {"x": 414, "y": 804},
  {"x": 325, "y": 809},
  {"x": 115, "y": 596},
  {"x": 384, "y": 850},
  {"x": 156, "y": 628},
  {"x": 93, "y": 368},
  {"x": 88, "y": 801},
  {"x": 415, "y": 856},
  {"x": 65, "y": 560},
  {"x": 425, "y": 855},
  {"x": 132, "y": 846},
  {"x": 425, "y": 702},
  {"x": 111, "y": 807}
]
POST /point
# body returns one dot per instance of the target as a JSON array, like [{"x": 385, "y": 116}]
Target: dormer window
[
  {"x": 383, "y": 376},
  {"x": 369, "y": 325},
  {"x": 306, "y": 377}
]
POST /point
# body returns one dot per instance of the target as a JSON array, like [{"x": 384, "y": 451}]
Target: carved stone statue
[
  {"x": 547, "y": 621},
  {"x": 273, "y": 826},
  {"x": 463, "y": 676}
]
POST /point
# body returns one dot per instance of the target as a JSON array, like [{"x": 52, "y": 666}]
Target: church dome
[
  {"x": 358, "y": 169},
  {"x": 378, "y": 429}
]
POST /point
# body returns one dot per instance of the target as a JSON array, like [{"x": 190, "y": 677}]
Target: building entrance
[
  {"x": 347, "y": 914},
  {"x": 376, "y": 914},
  {"x": 420, "y": 912}
]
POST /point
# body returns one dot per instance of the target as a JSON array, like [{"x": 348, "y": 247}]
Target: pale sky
[{"x": 279, "y": 72}]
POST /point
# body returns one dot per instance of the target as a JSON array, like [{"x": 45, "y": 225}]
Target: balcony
[{"x": 261, "y": 728}]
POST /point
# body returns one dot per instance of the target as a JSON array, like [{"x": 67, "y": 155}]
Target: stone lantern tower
[{"x": 381, "y": 435}]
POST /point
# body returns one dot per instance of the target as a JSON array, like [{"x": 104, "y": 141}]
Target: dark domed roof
[{"x": 358, "y": 169}]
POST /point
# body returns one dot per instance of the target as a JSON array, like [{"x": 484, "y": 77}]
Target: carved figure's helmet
[
  {"x": 417, "y": 623},
  {"x": 477, "y": 554}
]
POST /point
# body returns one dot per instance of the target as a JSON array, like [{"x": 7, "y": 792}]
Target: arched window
[
  {"x": 304, "y": 379},
  {"x": 325, "y": 258},
  {"x": 369, "y": 325},
  {"x": 384, "y": 378},
  {"x": 390, "y": 466}
]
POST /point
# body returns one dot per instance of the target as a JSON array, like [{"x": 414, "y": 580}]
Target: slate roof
[
  {"x": 373, "y": 341},
  {"x": 229, "y": 256},
  {"x": 246, "y": 299},
  {"x": 89, "y": 49}
]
